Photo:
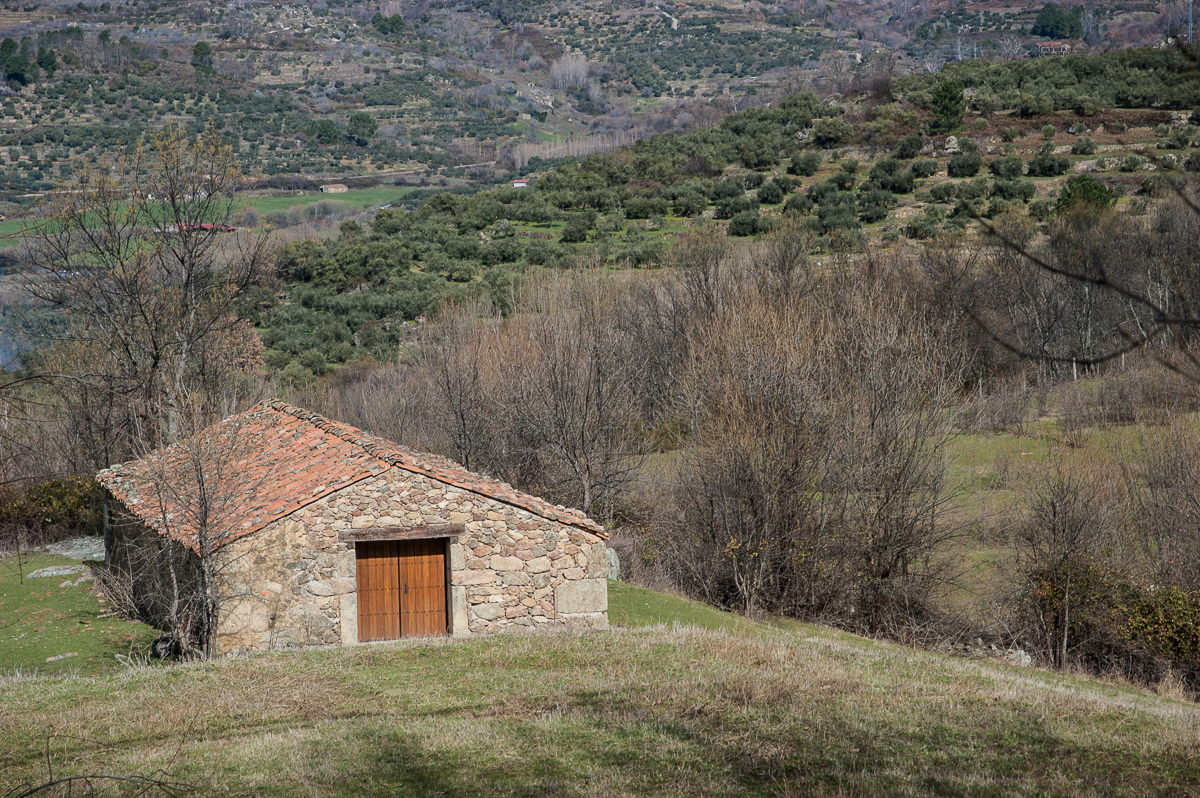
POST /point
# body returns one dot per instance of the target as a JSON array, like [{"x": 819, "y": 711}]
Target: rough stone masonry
[{"x": 293, "y": 582}]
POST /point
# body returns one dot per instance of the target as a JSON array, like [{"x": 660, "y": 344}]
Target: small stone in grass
[{"x": 61, "y": 656}]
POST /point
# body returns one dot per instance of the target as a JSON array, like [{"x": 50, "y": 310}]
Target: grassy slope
[
  {"x": 643, "y": 710},
  {"x": 41, "y": 619}
]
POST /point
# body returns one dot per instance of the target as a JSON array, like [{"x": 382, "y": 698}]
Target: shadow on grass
[{"x": 601, "y": 743}]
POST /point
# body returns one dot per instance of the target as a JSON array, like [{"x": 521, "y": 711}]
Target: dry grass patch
[{"x": 653, "y": 711}]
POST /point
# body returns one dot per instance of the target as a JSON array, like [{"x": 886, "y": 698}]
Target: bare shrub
[
  {"x": 1173, "y": 687},
  {"x": 1069, "y": 555},
  {"x": 1005, "y": 411},
  {"x": 812, "y": 485},
  {"x": 1003, "y": 464},
  {"x": 1076, "y": 413},
  {"x": 116, "y": 583},
  {"x": 1147, "y": 395},
  {"x": 385, "y": 399},
  {"x": 249, "y": 217},
  {"x": 545, "y": 398},
  {"x": 1167, "y": 478}
]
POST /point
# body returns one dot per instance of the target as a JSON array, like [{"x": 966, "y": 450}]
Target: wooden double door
[{"x": 401, "y": 588}]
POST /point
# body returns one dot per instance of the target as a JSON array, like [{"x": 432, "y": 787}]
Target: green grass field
[
  {"x": 39, "y": 619},
  {"x": 356, "y": 198},
  {"x": 12, "y": 230},
  {"x": 677, "y": 699}
]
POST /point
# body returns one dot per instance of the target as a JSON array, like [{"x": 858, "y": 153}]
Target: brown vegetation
[{"x": 767, "y": 427}]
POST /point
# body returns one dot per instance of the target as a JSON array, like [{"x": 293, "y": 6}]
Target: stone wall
[{"x": 293, "y": 582}]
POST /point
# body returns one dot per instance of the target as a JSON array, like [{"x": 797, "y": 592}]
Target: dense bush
[
  {"x": 1008, "y": 166},
  {"x": 964, "y": 164},
  {"x": 805, "y": 164},
  {"x": 1014, "y": 190},
  {"x": 925, "y": 226},
  {"x": 973, "y": 190},
  {"x": 943, "y": 192},
  {"x": 874, "y": 204},
  {"x": 689, "y": 203},
  {"x": 799, "y": 203},
  {"x": 948, "y": 106},
  {"x": 1129, "y": 78},
  {"x": 732, "y": 206},
  {"x": 891, "y": 175},
  {"x": 1083, "y": 145},
  {"x": 828, "y": 133},
  {"x": 1047, "y": 164},
  {"x": 910, "y": 147},
  {"x": 745, "y": 223},
  {"x": 770, "y": 194},
  {"x": 1085, "y": 190},
  {"x": 838, "y": 211},
  {"x": 843, "y": 180},
  {"x": 1132, "y": 163},
  {"x": 645, "y": 207},
  {"x": 925, "y": 168},
  {"x": 576, "y": 229},
  {"x": 1041, "y": 210},
  {"x": 47, "y": 512},
  {"x": 1056, "y": 23},
  {"x": 727, "y": 189}
]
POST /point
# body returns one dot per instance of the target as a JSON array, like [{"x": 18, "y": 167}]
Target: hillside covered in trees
[
  {"x": 430, "y": 91},
  {"x": 878, "y": 169},
  {"x": 909, "y": 355}
]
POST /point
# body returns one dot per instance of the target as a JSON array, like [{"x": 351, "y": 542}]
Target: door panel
[
  {"x": 422, "y": 587},
  {"x": 378, "y": 582}
]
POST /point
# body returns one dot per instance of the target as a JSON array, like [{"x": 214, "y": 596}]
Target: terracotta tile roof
[{"x": 275, "y": 459}]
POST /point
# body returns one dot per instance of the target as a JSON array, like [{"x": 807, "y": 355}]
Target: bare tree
[
  {"x": 1116, "y": 285},
  {"x": 1166, "y": 483},
  {"x": 1011, "y": 48},
  {"x": 456, "y": 365},
  {"x": 838, "y": 72},
  {"x": 546, "y": 398},
  {"x": 141, "y": 261},
  {"x": 570, "y": 71},
  {"x": 569, "y": 389},
  {"x": 812, "y": 481},
  {"x": 1023, "y": 301},
  {"x": 199, "y": 488}
]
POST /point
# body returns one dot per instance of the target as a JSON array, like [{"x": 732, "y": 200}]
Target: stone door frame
[{"x": 456, "y": 595}]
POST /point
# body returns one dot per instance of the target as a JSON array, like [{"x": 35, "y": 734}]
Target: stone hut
[{"x": 314, "y": 532}]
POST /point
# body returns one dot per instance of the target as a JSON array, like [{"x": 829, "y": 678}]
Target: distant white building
[
  {"x": 521, "y": 182},
  {"x": 334, "y": 188}
]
